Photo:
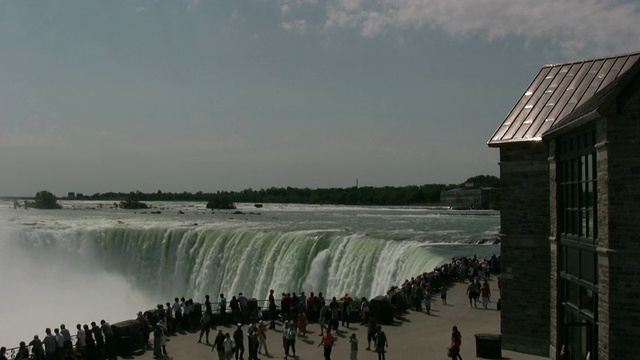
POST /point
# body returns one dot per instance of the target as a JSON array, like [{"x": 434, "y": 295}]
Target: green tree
[
  {"x": 44, "y": 200},
  {"x": 221, "y": 202}
]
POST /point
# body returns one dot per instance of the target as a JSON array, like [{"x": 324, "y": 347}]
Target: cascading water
[
  {"x": 193, "y": 262},
  {"x": 88, "y": 261}
]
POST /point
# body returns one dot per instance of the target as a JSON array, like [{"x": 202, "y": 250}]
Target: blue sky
[{"x": 197, "y": 95}]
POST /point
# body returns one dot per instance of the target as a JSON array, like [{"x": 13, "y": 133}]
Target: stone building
[{"x": 570, "y": 201}]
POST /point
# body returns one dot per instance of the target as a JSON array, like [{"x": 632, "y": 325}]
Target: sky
[{"x": 198, "y": 95}]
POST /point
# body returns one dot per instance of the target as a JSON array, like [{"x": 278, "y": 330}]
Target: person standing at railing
[
  {"x": 272, "y": 310},
  {"x": 36, "y": 348},
  {"x": 81, "y": 342},
  {"x": 50, "y": 345},
  {"x": 59, "y": 343},
  {"x": 187, "y": 312},
  {"x": 66, "y": 335},
  {"x": 223, "y": 308},
  {"x": 207, "y": 305},
  {"x": 244, "y": 307},
  {"x": 23, "y": 352},
  {"x": 285, "y": 306},
  {"x": 3, "y": 351},
  {"x": 234, "y": 305},
  {"x": 177, "y": 315},
  {"x": 99, "y": 338},
  {"x": 109, "y": 338}
]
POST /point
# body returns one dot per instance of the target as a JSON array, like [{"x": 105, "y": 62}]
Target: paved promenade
[{"x": 418, "y": 336}]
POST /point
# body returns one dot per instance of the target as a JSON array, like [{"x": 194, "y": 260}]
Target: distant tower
[{"x": 356, "y": 183}]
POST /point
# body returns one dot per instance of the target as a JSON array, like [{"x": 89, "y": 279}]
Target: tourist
[
  {"x": 346, "y": 309},
  {"x": 289, "y": 338},
  {"x": 59, "y": 343},
  {"x": 238, "y": 339},
  {"x": 159, "y": 336},
  {"x": 443, "y": 295},
  {"x": 205, "y": 326},
  {"x": 81, "y": 340},
  {"x": 262, "y": 337},
  {"x": 325, "y": 319},
  {"x": 23, "y": 352},
  {"x": 364, "y": 310},
  {"x": 188, "y": 312},
  {"x": 335, "y": 314},
  {"x": 145, "y": 328},
  {"x": 36, "y": 348},
  {"x": 427, "y": 300},
  {"x": 228, "y": 347},
  {"x": 218, "y": 345},
  {"x": 244, "y": 307},
  {"x": 456, "y": 342},
  {"x": 471, "y": 294},
  {"x": 327, "y": 341},
  {"x": 272, "y": 310},
  {"x": 353, "y": 343},
  {"x": 66, "y": 335},
  {"x": 3, "y": 351},
  {"x": 485, "y": 292},
  {"x": 234, "y": 304},
  {"x": 207, "y": 305},
  {"x": 177, "y": 314},
  {"x": 285, "y": 306},
  {"x": 157, "y": 341},
  {"x": 99, "y": 338},
  {"x": 92, "y": 353},
  {"x": 381, "y": 343},
  {"x": 50, "y": 345},
  {"x": 168, "y": 319},
  {"x": 110, "y": 339},
  {"x": 253, "y": 341},
  {"x": 302, "y": 323},
  {"x": 223, "y": 307},
  {"x": 371, "y": 331}
]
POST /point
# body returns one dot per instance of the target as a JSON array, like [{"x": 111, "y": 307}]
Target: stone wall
[
  {"x": 619, "y": 237},
  {"x": 525, "y": 251}
]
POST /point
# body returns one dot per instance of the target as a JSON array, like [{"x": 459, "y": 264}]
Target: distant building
[
  {"x": 470, "y": 197},
  {"x": 570, "y": 201},
  {"x": 71, "y": 195}
]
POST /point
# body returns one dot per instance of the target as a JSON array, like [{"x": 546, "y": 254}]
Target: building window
[{"x": 577, "y": 241}]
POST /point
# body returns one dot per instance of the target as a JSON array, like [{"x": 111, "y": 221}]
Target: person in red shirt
[
  {"x": 456, "y": 342},
  {"x": 485, "y": 293},
  {"x": 327, "y": 340}
]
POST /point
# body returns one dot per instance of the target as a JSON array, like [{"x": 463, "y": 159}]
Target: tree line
[{"x": 366, "y": 195}]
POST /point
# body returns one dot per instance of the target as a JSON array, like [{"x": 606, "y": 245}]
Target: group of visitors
[
  {"x": 95, "y": 342},
  {"x": 296, "y": 312}
]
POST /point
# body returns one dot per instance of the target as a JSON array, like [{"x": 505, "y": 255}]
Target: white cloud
[{"x": 575, "y": 26}]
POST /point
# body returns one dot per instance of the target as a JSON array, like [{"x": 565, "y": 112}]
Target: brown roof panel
[{"x": 555, "y": 92}]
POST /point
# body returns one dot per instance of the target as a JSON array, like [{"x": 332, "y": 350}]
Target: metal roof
[{"x": 556, "y": 92}]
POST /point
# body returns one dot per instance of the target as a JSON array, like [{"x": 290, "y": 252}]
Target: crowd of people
[
  {"x": 296, "y": 312},
  {"x": 93, "y": 342}
]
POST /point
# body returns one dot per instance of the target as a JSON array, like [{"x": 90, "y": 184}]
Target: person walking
[
  {"x": 381, "y": 343},
  {"x": 262, "y": 337},
  {"x": 485, "y": 292},
  {"x": 238, "y": 340},
  {"x": 205, "y": 326},
  {"x": 327, "y": 340},
  {"x": 289, "y": 338},
  {"x": 218, "y": 345},
  {"x": 353, "y": 344},
  {"x": 456, "y": 342},
  {"x": 228, "y": 347}
]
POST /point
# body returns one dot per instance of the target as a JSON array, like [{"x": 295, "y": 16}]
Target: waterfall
[{"x": 166, "y": 262}]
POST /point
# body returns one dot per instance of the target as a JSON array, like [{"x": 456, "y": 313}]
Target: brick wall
[
  {"x": 619, "y": 234},
  {"x": 525, "y": 251}
]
